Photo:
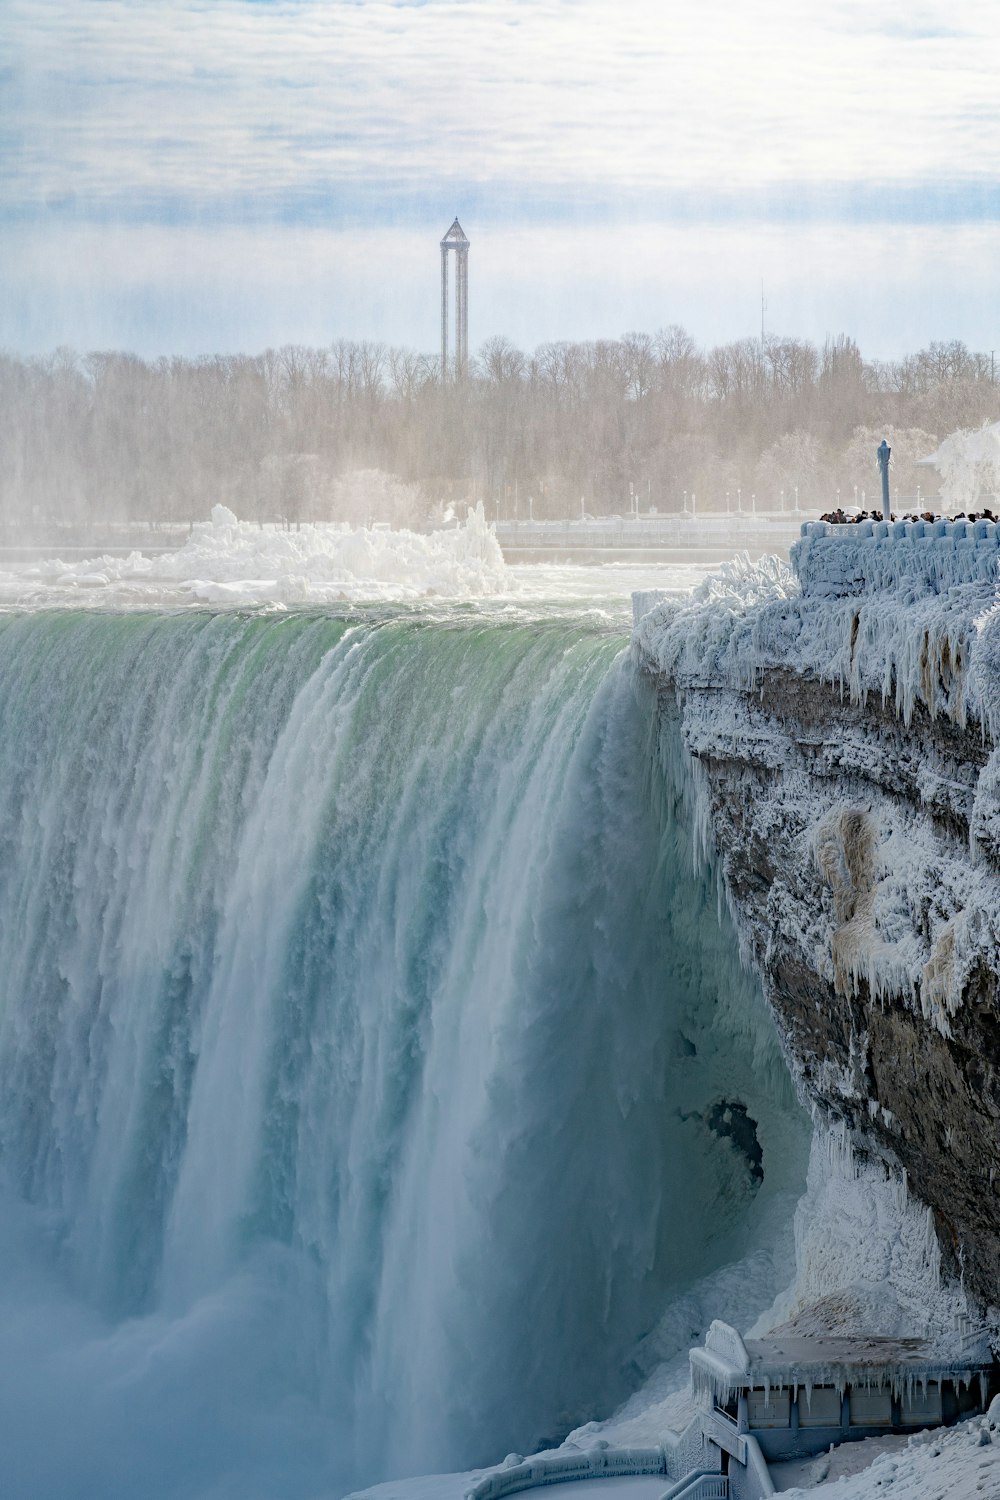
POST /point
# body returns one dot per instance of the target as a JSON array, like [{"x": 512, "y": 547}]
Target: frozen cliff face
[{"x": 847, "y": 759}]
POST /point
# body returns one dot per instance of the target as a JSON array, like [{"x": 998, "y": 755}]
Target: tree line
[{"x": 363, "y": 431}]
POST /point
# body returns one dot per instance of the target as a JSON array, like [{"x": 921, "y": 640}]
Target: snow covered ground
[{"x": 952, "y": 1463}]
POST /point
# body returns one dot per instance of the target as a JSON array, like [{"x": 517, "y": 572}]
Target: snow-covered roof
[{"x": 728, "y": 1363}]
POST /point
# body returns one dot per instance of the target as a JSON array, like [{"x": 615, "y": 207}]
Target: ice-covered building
[
  {"x": 766, "y": 1401},
  {"x": 793, "y": 1396}
]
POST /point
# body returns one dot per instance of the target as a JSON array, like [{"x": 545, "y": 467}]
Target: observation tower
[{"x": 455, "y": 240}]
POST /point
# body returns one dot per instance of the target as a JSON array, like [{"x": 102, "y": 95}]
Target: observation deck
[
  {"x": 834, "y": 560},
  {"x": 766, "y": 1401}
]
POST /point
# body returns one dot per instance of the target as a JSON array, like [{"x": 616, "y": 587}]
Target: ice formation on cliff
[
  {"x": 908, "y": 912},
  {"x": 908, "y": 906}
]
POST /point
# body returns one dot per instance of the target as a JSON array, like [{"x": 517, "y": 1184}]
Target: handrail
[
  {"x": 704, "y": 1485},
  {"x": 724, "y": 1433},
  {"x": 757, "y": 1465},
  {"x": 985, "y": 532},
  {"x": 598, "y": 1462}
]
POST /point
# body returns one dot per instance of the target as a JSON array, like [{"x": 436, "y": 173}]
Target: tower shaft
[
  {"x": 444, "y": 311},
  {"x": 455, "y": 240}
]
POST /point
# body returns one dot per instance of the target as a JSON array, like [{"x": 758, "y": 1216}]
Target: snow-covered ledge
[{"x": 833, "y": 561}]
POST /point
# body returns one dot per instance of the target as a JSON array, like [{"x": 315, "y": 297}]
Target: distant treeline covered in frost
[{"x": 362, "y": 431}]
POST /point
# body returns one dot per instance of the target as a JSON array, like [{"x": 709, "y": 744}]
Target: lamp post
[
  {"x": 883, "y": 453},
  {"x": 727, "y": 502},
  {"x": 796, "y": 499},
  {"x": 753, "y": 504},
  {"x": 739, "y": 500}
]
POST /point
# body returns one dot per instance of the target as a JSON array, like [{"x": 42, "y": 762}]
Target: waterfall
[{"x": 375, "y": 1067}]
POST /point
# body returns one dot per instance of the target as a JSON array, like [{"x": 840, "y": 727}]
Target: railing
[
  {"x": 884, "y": 531},
  {"x": 835, "y": 560},
  {"x": 703, "y": 1486},
  {"x": 662, "y": 531},
  {"x": 597, "y": 1463},
  {"x": 723, "y": 1432},
  {"x": 757, "y": 1469}
]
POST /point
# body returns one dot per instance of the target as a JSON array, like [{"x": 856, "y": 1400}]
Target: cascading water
[{"x": 374, "y": 1069}]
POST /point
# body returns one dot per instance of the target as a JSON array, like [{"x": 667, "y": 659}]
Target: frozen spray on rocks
[{"x": 844, "y": 735}]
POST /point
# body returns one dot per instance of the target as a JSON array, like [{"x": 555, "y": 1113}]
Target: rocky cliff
[{"x": 845, "y": 753}]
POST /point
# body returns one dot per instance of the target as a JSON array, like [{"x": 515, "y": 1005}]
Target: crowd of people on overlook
[{"x": 840, "y": 517}]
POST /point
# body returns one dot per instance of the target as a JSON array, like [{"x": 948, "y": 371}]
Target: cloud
[
  {"x": 335, "y": 112},
  {"x": 194, "y": 174}
]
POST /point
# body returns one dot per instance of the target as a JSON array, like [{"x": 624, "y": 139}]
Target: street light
[
  {"x": 727, "y": 502},
  {"x": 739, "y": 501},
  {"x": 796, "y": 499}
]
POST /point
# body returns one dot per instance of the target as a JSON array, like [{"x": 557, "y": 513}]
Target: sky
[{"x": 191, "y": 176}]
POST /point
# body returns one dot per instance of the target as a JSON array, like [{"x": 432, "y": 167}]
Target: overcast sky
[{"x": 237, "y": 173}]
